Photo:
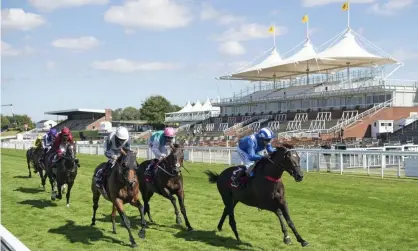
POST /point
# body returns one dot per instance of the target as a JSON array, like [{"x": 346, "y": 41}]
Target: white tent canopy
[
  {"x": 186, "y": 108},
  {"x": 346, "y": 52},
  {"x": 254, "y": 72},
  {"x": 197, "y": 107},
  {"x": 207, "y": 106},
  {"x": 349, "y": 52}
]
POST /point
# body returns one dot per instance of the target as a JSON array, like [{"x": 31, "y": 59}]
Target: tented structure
[
  {"x": 344, "y": 52},
  {"x": 191, "y": 113},
  {"x": 255, "y": 72}
]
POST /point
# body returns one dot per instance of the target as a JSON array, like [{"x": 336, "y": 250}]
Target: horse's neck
[{"x": 272, "y": 170}]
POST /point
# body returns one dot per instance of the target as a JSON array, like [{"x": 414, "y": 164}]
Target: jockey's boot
[{"x": 236, "y": 177}]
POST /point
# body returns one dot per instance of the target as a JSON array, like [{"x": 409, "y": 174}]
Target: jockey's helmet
[
  {"x": 169, "y": 134},
  {"x": 265, "y": 134},
  {"x": 65, "y": 132},
  {"x": 121, "y": 135},
  {"x": 52, "y": 132}
]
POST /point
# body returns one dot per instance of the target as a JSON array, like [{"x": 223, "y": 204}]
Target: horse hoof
[
  {"x": 220, "y": 229},
  {"x": 305, "y": 243},
  {"x": 92, "y": 224},
  {"x": 178, "y": 221},
  {"x": 113, "y": 232},
  {"x": 68, "y": 205},
  {"x": 52, "y": 198},
  {"x": 133, "y": 245},
  {"x": 287, "y": 240},
  {"x": 141, "y": 234},
  {"x": 190, "y": 229}
]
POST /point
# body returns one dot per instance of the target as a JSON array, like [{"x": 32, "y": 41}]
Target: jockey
[
  {"x": 48, "y": 139},
  {"x": 62, "y": 138},
  {"x": 38, "y": 142},
  {"x": 158, "y": 142},
  {"x": 249, "y": 149},
  {"x": 113, "y": 145}
]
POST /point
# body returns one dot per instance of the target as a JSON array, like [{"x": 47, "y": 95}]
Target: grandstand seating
[
  {"x": 408, "y": 134},
  {"x": 75, "y": 125}
]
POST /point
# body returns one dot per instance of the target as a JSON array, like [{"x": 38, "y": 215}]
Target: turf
[{"x": 331, "y": 211}]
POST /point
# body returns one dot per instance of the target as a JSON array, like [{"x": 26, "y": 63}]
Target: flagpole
[
  {"x": 348, "y": 14},
  {"x": 307, "y": 29},
  {"x": 274, "y": 36}
]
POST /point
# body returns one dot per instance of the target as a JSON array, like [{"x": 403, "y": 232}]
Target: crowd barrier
[
  {"x": 9, "y": 242},
  {"x": 360, "y": 161}
]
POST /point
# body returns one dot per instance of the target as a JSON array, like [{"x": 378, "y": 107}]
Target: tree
[
  {"x": 4, "y": 121},
  {"x": 176, "y": 108},
  {"x": 117, "y": 114},
  {"x": 130, "y": 113},
  {"x": 154, "y": 108}
]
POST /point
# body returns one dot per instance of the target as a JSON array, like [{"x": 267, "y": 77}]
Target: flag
[
  {"x": 305, "y": 19},
  {"x": 271, "y": 29},
  {"x": 345, "y": 6}
]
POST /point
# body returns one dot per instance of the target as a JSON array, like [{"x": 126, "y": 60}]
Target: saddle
[{"x": 243, "y": 178}]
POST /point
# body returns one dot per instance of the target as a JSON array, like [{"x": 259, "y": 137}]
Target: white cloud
[
  {"x": 82, "y": 43},
  {"x": 247, "y": 32},
  {"x": 390, "y": 7},
  {"x": 129, "y": 31},
  {"x": 50, "y": 5},
  {"x": 311, "y": 3},
  {"x": 405, "y": 55},
  {"x": 127, "y": 66},
  {"x": 232, "y": 48},
  {"x": 222, "y": 17},
  {"x": 9, "y": 50},
  {"x": 155, "y": 14},
  {"x": 18, "y": 19},
  {"x": 50, "y": 65}
]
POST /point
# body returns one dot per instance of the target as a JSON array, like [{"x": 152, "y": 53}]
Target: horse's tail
[{"x": 213, "y": 177}]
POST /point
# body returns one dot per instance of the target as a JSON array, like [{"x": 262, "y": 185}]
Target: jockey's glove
[{"x": 114, "y": 157}]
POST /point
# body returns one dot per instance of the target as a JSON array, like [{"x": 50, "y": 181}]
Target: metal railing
[{"x": 359, "y": 161}]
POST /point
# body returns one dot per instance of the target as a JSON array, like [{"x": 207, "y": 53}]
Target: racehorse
[
  {"x": 120, "y": 187},
  {"x": 64, "y": 172},
  {"x": 29, "y": 159},
  {"x": 265, "y": 190},
  {"x": 33, "y": 156},
  {"x": 168, "y": 181}
]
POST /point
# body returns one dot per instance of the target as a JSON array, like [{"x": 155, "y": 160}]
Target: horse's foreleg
[
  {"x": 289, "y": 221},
  {"x": 138, "y": 205},
  {"x": 70, "y": 185},
  {"x": 119, "y": 206},
  {"x": 114, "y": 219},
  {"x": 96, "y": 197},
  {"x": 180, "y": 196},
  {"x": 147, "y": 208},
  {"x": 286, "y": 237},
  {"x": 43, "y": 177},
  {"x": 59, "y": 187},
  {"x": 52, "y": 182}
]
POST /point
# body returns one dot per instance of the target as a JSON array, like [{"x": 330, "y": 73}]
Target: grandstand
[
  {"x": 82, "y": 119},
  {"x": 337, "y": 93}
]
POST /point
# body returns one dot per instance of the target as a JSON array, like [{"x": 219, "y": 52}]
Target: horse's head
[
  {"x": 175, "y": 159},
  {"x": 127, "y": 168},
  {"x": 68, "y": 156},
  {"x": 287, "y": 158}
]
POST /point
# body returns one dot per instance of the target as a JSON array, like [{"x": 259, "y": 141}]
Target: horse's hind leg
[
  {"x": 96, "y": 197},
  {"x": 285, "y": 210},
  {"x": 119, "y": 206},
  {"x": 43, "y": 177},
  {"x": 147, "y": 209},
  {"x": 227, "y": 200},
  {"x": 232, "y": 222}
]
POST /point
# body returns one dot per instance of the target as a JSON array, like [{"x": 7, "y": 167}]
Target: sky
[{"x": 115, "y": 53}]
